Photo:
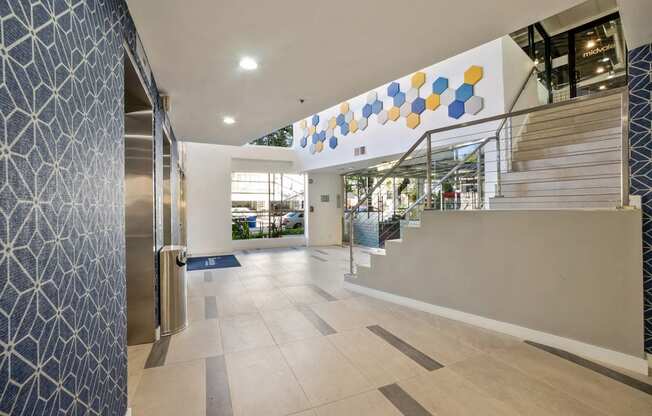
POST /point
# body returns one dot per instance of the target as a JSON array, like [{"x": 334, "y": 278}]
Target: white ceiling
[
  {"x": 578, "y": 15},
  {"x": 323, "y": 52}
]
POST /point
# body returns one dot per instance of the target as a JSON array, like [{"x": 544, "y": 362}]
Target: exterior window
[
  {"x": 280, "y": 138},
  {"x": 266, "y": 205}
]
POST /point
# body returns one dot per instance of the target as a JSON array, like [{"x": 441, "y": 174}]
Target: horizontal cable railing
[{"x": 572, "y": 154}]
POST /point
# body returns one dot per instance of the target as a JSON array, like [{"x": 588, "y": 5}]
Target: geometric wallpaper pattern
[
  {"x": 318, "y": 133},
  {"x": 640, "y": 162},
  {"x": 62, "y": 240}
]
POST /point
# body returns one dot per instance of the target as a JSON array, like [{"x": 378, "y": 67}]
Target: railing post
[
  {"x": 351, "y": 244},
  {"x": 429, "y": 173},
  {"x": 498, "y": 166},
  {"x": 478, "y": 185},
  {"x": 624, "y": 148}
]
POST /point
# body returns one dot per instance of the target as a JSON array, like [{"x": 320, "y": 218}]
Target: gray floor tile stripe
[
  {"x": 405, "y": 403},
  {"x": 208, "y": 276},
  {"x": 318, "y": 258},
  {"x": 218, "y": 396},
  {"x": 321, "y": 325},
  {"x": 324, "y": 294},
  {"x": 605, "y": 371},
  {"x": 417, "y": 356},
  {"x": 210, "y": 307},
  {"x": 158, "y": 353},
  {"x": 321, "y": 251}
]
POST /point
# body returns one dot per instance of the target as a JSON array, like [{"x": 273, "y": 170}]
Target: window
[
  {"x": 266, "y": 205},
  {"x": 280, "y": 138}
]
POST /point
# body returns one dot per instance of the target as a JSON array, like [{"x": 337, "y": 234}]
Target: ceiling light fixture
[
  {"x": 590, "y": 44},
  {"x": 599, "y": 70},
  {"x": 605, "y": 59},
  {"x": 228, "y": 120},
  {"x": 602, "y": 87},
  {"x": 248, "y": 64}
]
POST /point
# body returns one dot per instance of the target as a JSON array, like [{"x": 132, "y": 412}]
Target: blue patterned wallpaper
[
  {"x": 640, "y": 139},
  {"x": 62, "y": 280}
]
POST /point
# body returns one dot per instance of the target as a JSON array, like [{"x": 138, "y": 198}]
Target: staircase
[{"x": 566, "y": 157}]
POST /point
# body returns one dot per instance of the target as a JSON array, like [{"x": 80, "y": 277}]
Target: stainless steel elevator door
[
  {"x": 139, "y": 209},
  {"x": 140, "y": 247}
]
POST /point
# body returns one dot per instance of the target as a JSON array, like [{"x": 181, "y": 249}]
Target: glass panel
[
  {"x": 266, "y": 205},
  {"x": 600, "y": 58},
  {"x": 559, "y": 80},
  {"x": 539, "y": 51}
]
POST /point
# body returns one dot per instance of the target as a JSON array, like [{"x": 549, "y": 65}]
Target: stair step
[
  {"x": 569, "y": 120},
  {"x": 561, "y": 192},
  {"x": 608, "y": 143},
  {"x": 583, "y": 186},
  {"x": 568, "y": 135},
  {"x": 588, "y": 107},
  {"x": 607, "y": 202},
  {"x": 585, "y": 106},
  {"x": 595, "y": 157},
  {"x": 559, "y": 173}
]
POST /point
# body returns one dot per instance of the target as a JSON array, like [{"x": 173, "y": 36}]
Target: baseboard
[{"x": 636, "y": 364}]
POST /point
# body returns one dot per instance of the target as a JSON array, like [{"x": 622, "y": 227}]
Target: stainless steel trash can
[{"x": 174, "y": 289}]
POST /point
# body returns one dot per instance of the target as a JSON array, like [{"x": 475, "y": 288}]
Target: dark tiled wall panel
[
  {"x": 62, "y": 282},
  {"x": 640, "y": 139}
]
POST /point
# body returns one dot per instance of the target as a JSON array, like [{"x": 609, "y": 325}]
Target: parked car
[
  {"x": 244, "y": 214},
  {"x": 293, "y": 220}
]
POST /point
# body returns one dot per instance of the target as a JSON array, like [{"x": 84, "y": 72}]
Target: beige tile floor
[{"x": 278, "y": 362}]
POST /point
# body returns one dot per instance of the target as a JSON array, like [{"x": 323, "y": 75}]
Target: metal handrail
[
  {"x": 507, "y": 115},
  {"x": 428, "y": 134},
  {"x": 454, "y": 169}
]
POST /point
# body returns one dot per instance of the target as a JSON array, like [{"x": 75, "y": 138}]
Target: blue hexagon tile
[{"x": 408, "y": 105}]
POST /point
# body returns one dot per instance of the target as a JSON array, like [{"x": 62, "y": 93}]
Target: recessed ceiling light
[
  {"x": 605, "y": 59},
  {"x": 590, "y": 44},
  {"x": 602, "y": 87},
  {"x": 249, "y": 64},
  {"x": 599, "y": 70},
  {"x": 228, "y": 120}
]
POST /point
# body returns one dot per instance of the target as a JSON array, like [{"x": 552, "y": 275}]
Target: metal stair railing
[{"x": 502, "y": 133}]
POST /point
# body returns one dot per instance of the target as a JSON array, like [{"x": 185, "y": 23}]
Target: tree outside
[{"x": 280, "y": 138}]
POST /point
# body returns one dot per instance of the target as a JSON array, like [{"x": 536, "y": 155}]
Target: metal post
[
  {"x": 478, "y": 168},
  {"x": 429, "y": 173},
  {"x": 624, "y": 148},
  {"x": 498, "y": 166},
  {"x": 351, "y": 271}
]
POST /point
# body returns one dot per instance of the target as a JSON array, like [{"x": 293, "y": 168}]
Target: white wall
[
  {"x": 208, "y": 179},
  {"x": 324, "y": 223},
  {"x": 505, "y": 69},
  {"x": 395, "y": 137}
]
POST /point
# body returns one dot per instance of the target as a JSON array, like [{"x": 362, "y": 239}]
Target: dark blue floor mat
[{"x": 212, "y": 262}]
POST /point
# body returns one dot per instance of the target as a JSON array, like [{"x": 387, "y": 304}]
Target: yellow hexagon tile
[
  {"x": 319, "y": 146},
  {"x": 302, "y": 124},
  {"x": 394, "y": 113},
  {"x": 311, "y": 130},
  {"x": 353, "y": 126},
  {"x": 473, "y": 75},
  {"x": 413, "y": 120},
  {"x": 432, "y": 102},
  {"x": 418, "y": 79},
  {"x": 332, "y": 123},
  {"x": 344, "y": 108}
]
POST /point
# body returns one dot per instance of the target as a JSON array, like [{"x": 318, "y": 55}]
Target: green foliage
[
  {"x": 240, "y": 229},
  {"x": 280, "y": 138}
]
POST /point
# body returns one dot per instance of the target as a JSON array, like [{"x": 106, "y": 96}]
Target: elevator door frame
[{"x": 140, "y": 242}]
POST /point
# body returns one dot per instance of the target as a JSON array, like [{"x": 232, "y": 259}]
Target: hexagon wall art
[{"x": 317, "y": 133}]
